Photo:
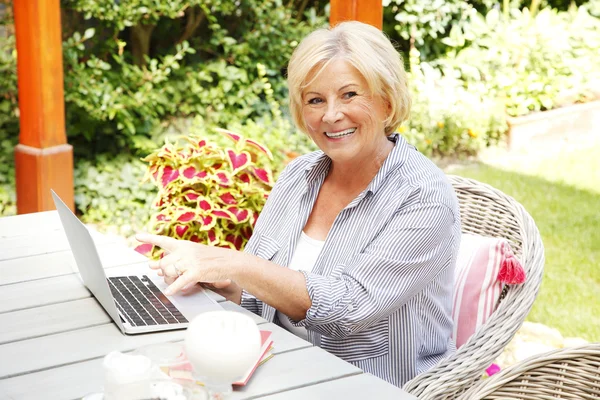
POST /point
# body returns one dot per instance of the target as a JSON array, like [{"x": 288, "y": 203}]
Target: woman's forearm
[{"x": 279, "y": 287}]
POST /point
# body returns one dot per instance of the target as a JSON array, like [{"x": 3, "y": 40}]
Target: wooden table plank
[
  {"x": 55, "y": 318},
  {"x": 75, "y": 380},
  {"x": 83, "y": 344},
  {"x": 41, "y": 292},
  {"x": 27, "y": 224},
  {"x": 73, "y": 346},
  {"x": 62, "y": 263},
  {"x": 41, "y": 243},
  {"x": 363, "y": 386},
  {"x": 47, "y": 320},
  {"x": 69, "y": 382},
  {"x": 294, "y": 369},
  {"x": 36, "y": 267}
]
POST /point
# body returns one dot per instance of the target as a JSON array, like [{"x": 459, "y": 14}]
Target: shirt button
[{"x": 350, "y": 307}]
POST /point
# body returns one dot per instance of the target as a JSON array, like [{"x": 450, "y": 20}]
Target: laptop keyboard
[{"x": 142, "y": 303}]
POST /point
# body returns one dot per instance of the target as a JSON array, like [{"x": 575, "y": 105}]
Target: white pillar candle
[{"x": 222, "y": 346}]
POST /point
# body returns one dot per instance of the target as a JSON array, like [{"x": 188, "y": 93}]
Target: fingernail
[{"x": 168, "y": 292}]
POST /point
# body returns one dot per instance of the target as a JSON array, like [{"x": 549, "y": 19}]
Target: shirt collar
[{"x": 317, "y": 166}]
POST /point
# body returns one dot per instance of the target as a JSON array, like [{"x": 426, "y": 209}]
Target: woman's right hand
[{"x": 227, "y": 288}]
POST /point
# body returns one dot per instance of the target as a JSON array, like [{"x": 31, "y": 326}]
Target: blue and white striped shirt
[{"x": 381, "y": 288}]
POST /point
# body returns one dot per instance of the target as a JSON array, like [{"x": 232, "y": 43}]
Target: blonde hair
[{"x": 364, "y": 47}]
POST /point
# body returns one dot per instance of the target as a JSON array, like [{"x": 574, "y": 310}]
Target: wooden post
[
  {"x": 43, "y": 159},
  {"x": 368, "y": 11}
]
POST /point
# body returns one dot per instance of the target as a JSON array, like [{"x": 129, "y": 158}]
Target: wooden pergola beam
[
  {"x": 367, "y": 11},
  {"x": 43, "y": 159}
]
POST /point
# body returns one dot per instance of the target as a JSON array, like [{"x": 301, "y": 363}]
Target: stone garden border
[{"x": 571, "y": 120}]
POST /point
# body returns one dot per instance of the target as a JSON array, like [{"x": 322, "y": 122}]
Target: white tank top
[{"x": 304, "y": 258}]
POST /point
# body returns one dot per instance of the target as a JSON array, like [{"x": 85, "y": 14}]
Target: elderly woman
[{"x": 356, "y": 246}]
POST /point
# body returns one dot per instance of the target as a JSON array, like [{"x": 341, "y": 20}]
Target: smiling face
[{"x": 341, "y": 115}]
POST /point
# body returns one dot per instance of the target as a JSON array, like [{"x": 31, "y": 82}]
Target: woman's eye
[
  {"x": 350, "y": 95},
  {"x": 315, "y": 100}
]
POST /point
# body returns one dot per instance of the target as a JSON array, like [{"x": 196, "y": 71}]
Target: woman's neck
[{"x": 357, "y": 173}]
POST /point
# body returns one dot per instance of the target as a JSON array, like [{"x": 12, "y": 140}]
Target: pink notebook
[
  {"x": 265, "y": 354},
  {"x": 184, "y": 371}
]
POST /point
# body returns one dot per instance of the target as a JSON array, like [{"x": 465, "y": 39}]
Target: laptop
[{"x": 136, "y": 303}]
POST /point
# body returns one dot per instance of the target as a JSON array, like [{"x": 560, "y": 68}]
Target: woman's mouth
[{"x": 340, "y": 134}]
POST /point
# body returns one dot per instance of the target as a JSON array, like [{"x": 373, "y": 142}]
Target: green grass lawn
[{"x": 562, "y": 193}]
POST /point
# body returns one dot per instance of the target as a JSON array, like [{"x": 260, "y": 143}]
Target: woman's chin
[{"x": 342, "y": 155}]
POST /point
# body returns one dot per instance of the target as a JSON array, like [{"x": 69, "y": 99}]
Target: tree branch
[{"x": 301, "y": 10}]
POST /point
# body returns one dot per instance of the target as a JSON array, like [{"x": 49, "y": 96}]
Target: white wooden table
[{"x": 53, "y": 335}]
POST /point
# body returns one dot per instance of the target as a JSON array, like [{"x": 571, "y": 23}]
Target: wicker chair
[
  {"x": 487, "y": 211},
  {"x": 569, "y": 373}
]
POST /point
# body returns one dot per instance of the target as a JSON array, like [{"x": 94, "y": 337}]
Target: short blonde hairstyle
[{"x": 364, "y": 47}]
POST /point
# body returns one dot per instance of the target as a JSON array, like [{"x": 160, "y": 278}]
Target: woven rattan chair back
[
  {"x": 489, "y": 212},
  {"x": 569, "y": 373}
]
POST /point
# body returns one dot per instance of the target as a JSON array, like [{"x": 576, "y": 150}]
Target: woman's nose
[{"x": 332, "y": 114}]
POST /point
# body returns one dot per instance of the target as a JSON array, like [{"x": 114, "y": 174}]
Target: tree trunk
[
  {"x": 140, "y": 43},
  {"x": 193, "y": 21}
]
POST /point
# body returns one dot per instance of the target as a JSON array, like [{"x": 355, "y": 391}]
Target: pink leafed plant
[{"x": 208, "y": 193}]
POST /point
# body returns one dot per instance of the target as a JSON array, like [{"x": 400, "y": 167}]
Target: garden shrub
[
  {"x": 531, "y": 63},
  {"x": 209, "y": 192},
  {"x": 110, "y": 194},
  {"x": 424, "y": 23},
  {"x": 182, "y": 58},
  {"x": 9, "y": 123},
  {"x": 448, "y": 119},
  {"x": 8, "y": 205}
]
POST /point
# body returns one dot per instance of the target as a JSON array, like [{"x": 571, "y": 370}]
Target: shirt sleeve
[
  {"x": 249, "y": 302},
  {"x": 408, "y": 253}
]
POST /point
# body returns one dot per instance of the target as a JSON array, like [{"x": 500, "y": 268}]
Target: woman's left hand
[{"x": 190, "y": 262}]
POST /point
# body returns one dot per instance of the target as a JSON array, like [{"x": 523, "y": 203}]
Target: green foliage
[
  {"x": 109, "y": 192},
  {"x": 9, "y": 124},
  {"x": 448, "y": 119},
  {"x": 8, "y": 86},
  {"x": 533, "y": 63},
  {"x": 209, "y": 192},
  {"x": 426, "y": 22},
  {"x": 8, "y": 202},
  {"x": 593, "y": 7},
  {"x": 215, "y": 76},
  {"x": 126, "y": 13},
  {"x": 104, "y": 98}
]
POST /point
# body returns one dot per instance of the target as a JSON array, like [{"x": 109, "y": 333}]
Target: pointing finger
[
  {"x": 163, "y": 262},
  {"x": 165, "y": 242}
]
